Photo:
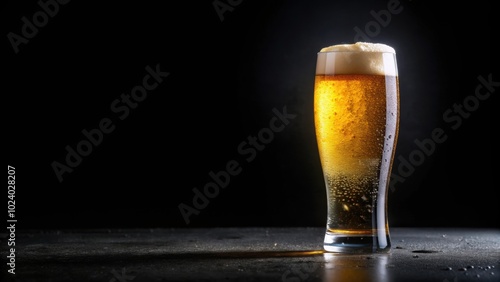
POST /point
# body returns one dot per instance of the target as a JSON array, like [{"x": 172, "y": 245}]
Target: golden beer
[{"x": 356, "y": 111}]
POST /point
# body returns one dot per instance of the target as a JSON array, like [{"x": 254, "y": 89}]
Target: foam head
[{"x": 357, "y": 58}]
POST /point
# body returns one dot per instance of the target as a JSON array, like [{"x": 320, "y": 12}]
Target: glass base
[{"x": 343, "y": 243}]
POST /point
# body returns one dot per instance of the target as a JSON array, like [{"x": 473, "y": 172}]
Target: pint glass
[{"x": 356, "y": 115}]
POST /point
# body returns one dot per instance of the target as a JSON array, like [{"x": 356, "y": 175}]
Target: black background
[{"x": 226, "y": 75}]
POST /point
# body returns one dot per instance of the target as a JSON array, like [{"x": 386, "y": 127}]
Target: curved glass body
[{"x": 356, "y": 112}]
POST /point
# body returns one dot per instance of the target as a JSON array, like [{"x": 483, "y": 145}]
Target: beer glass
[{"x": 356, "y": 116}]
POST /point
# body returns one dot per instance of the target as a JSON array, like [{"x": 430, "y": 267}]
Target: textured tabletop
[{"x": 248, "y": 254}]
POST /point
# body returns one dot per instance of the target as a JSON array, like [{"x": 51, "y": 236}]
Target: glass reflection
[{"x": 341, "y": 267}]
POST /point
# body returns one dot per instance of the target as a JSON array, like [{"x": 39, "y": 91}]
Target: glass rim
[{"x": 377, "y": 52}]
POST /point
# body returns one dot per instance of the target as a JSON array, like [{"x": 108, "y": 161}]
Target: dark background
[{"x": 226, "y": 77}]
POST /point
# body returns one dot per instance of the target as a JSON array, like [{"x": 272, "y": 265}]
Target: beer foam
[
  {"x": 360, "y": 47},
  {"x": 357, "y": 58}
]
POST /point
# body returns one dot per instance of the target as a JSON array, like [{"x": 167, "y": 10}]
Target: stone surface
[{"x": 249, "y": 254}]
